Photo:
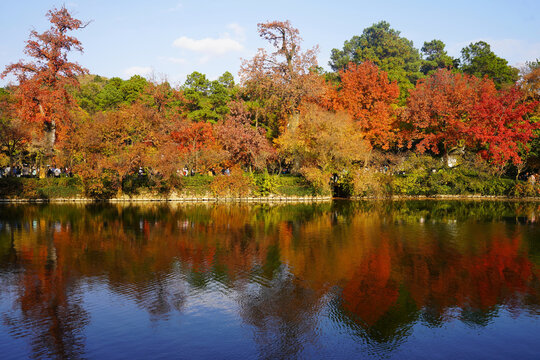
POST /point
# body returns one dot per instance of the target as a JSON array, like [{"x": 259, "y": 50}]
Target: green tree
[
  {"x": 435, "y": 57},
  {"x": 133, "y": 88},
  {"x": 477, "y": 59},
  {"x": 227, "y": 80},
  {"x": 87, "y": 94},
  {"x": 383, "y": 46},
  {"x": 207, "y": 100},
  {"x": 110, "y": 96}
]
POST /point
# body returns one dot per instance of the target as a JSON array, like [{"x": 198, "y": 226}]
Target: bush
[
  {"x": 264, "y": 184},
  {"x": 104, "y": 186},
  {"x": 34, "y": 188},
  {"x": 319, "y": 180},
  {"x": 197, "y": 185},
  {"x": 235, "y": 184},
  {"x": 133, "y": 184},
  {"x": 368, "y": 182},
  {"x": 290, "y": 185},
  {"x": 525, "y": 189}
]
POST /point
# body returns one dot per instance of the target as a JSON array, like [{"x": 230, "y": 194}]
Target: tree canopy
[
  {"x": 477, "y": 59},
  {"x": 435, "y": 57},
  {"x": 383, "y": 46},
  {"x": 42, "y": 93}
]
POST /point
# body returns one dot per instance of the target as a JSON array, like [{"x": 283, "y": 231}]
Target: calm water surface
[{"x": 342, "y": 280}]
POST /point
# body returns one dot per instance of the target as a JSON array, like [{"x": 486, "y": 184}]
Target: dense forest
[{"x": 387, "y": 119}]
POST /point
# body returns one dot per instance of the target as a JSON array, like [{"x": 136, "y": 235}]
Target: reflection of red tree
[
  {"x": 371, "y": 290},
  {"x": 482, "y": 279},
  {"x": 56, "y": 319},
  {"x": 495, "y": 275},
  {"x": 438, "y": 277}
]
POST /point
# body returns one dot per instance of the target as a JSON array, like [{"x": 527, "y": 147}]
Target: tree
[
  {"x": 322, "y": 143},
  {"x": 197, "y": 144},
  {"x": 384, "y": 47},
  {"x": 162, "y": 96},
  {"x": 245, "y": 144},
  {"x": 438, "y": 111},
  {"x": 14, "y": 137},
  {"x": 530, "y": 85},
  {"x": 448, "y": 111},
  {"x": 530, "y": 82},
  {"x": 477, "y": 59},
  {"x": 369, "y": 97},
  {"x": 207, "y": 100},
  {"x": 274, "y": 84},
  {"x": 435, "y": 57},
  {"x": 111, "y": 97},
  {"x": 87, "y": 94},
  {"x": 42, "y": 92},
  {"x": 501, "y": 127}
]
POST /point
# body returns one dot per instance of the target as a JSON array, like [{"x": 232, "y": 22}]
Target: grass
[{"x": 48, "y": 188}]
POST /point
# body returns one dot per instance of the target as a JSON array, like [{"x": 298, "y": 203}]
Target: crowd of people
[{"x": 34, "y": 172}]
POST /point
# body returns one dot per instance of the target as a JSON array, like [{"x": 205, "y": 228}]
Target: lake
[{"x": 336, "y": 280}]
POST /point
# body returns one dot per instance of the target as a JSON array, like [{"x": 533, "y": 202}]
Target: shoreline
[
  {"x": 273, "y": 199},
  {"x": 190, "y": 199}
]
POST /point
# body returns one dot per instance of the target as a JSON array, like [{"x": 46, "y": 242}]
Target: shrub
[
  {"x": 132, "y": 184},
  {"x": 369, "y": 182},
  {"x": 525, "y": 189},
  {"x": 48, "y": 188},
  {"x": 319, "y": 180},
  {"x": 291, "y": 185},
  {"x": 235, "y": 184},
  {"x": 198, "y": 184},
  {"x": 264, "y": 184},
  {"x": 104, "y": 186}
]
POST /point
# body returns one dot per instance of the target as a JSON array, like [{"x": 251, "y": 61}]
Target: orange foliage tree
[
  {"x": 42, "y": 94},
  {"x": 370, "y": 98}
]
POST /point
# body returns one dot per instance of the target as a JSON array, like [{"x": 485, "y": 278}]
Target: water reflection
[{"x": 374, "y": 270}]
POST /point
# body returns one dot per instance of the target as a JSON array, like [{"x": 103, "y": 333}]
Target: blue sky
[{"x": 172, "y": 38}]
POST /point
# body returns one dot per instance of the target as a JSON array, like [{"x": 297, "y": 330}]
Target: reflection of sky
[{"x": 209, "y": 327}]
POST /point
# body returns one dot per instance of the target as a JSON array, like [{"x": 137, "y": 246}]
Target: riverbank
[
  {"x": 270, "y": 199},
  {"x": 273, "y": 199},
  {"x": 200, "y": 188},
  {"x": 254, "y": 188}
]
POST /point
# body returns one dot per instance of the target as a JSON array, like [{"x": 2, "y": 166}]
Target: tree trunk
[
  {"x": 50, "y": 135},
  {"x": 367, "y": 158}
]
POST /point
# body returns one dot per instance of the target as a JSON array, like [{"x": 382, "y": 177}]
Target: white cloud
[
  {"x": 138, "y": 70},
  {"x": 209, "y": 46},
  {"x": 237, "y": 30}
]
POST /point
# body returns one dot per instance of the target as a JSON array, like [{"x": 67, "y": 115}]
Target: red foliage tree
[
  {"x": 438, "y": 111},
  {"x": 42, "y": 93},
  {"x": 448, "y": 110},
  {"x": 197, "y": 144},
  {"x": 501, "y": 127}
]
